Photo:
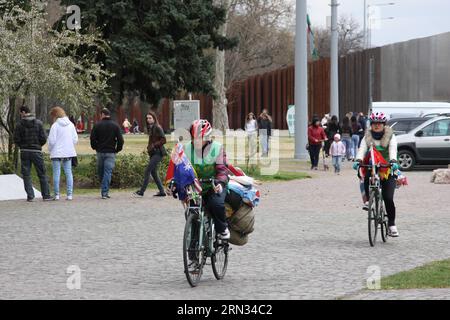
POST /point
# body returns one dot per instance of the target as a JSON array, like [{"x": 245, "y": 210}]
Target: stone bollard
[{"x": 441, "y": 176}]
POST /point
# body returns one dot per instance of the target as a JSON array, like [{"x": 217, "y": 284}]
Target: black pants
[
  {"x": 152, "y": 169},
  {"x": 314, "y": 152},
  {"x": 37, "y": 159},
  {"x": 215, "y": 204},
  {"x": 388, "y": 190}
]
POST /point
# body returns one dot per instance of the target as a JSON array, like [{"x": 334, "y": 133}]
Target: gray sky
[{"x": 412, "y": 18}]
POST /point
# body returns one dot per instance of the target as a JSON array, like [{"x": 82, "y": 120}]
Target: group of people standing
[
  {"x": 106, "y": 139},
  {"x": 261, "y": 126},
  {"x": 128, "y": 127},
  {"x": 340, "y": 140}
]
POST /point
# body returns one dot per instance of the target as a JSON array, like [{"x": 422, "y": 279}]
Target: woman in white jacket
[{"x": 61, "y": 144}]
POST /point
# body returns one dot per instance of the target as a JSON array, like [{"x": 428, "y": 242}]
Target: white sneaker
[
  {"x": 366, "y": 206},
  {"x": 224, "y": 235},
  {"x": 393, "y": 232},
  {"x": 56, "y": 197},
  {"x": 69, "y": 198}
]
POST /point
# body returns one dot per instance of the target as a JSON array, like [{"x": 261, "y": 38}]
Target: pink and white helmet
[{"x": 378, "y": 117}]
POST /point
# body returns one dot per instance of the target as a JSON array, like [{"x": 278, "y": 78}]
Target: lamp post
[
  {"x": 367, "y": 18},
  {"x": 301, "y": 80},
  {"x": 370, "y": 28}
]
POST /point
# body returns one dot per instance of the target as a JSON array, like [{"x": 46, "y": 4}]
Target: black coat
[
  {"x": 30, "y": 134},
  {"x": 106, "y": 137}
]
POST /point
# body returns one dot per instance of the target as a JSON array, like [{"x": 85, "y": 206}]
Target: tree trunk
[{"x": 219, "y": 111}]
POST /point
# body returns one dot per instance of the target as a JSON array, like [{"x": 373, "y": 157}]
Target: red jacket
[{"x": 316, "y": 135}]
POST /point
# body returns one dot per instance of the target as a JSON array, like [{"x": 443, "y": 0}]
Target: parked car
[
  {"x": 405, "y": 125},
  {"x": 429, "y": 143}
]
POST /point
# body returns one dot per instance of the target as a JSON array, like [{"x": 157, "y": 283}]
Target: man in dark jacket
[
  {"x": 107, "y": 140},
  {"x": 30, "y": 136}
]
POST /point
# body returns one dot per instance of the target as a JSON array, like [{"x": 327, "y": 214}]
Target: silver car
[{"x": 429, "y": 144}]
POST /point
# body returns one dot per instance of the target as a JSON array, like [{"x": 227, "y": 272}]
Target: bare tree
[
  {"x": 351, "y": 37},
  {"x": 265, "y": 40}
]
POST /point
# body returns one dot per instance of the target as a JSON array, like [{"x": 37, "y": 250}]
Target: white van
[{"x": 411, "y": 109}]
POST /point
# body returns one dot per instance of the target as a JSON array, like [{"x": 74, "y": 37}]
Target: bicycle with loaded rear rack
[
  {"x": 377, "y": 217},
  {"x": 200, "y": 240}
]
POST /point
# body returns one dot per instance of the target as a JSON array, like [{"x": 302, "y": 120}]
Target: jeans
[
  {"x": 215, "y": 204},
  {"x": 314, "y": 152},
  {"x": 252, "y": 138},
  {"x": 264, "y": 139},
  {"x": 27, "y": 159},
  {"x": 105, "y": 167},
  {"x": 67, "y": 166},
  {"x": 355, "y": 146},
  {"x": 152, "y": 169},
  {"x": 387, "y": 190},
  {"x": 348, "y": 147},
  {"x": 337, "y": 163}
]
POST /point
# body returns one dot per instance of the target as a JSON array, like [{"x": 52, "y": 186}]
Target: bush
[
  {"x": 128, "y": 171},
  {"x": 6, "y": 166}
]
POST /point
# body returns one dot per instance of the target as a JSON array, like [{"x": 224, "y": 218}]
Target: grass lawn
[{"x": 432, "y": 275}]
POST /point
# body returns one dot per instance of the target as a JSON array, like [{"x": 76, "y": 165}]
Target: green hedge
[{"x": 128, "y": 171}]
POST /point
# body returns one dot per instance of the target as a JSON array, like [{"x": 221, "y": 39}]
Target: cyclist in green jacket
[
  {"x": 384, "y": 140},
  {"x": 209, "y": 161}
]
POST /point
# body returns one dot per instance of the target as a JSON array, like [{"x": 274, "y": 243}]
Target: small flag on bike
[{"x": 180, "y": 170}]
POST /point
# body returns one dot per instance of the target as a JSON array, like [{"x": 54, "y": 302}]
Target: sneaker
[
  {"x": 393, "y": 232},
  {"x": 224, "y": 235},
  {"x": 106, "y": 197},
  {"x": 56, "y": 197},
  {"x": 69, "y": 198},
  {"x": 138, "y": 194},
  {"x": 160, "y": 194},
  {"x": 49, "y": 198},
  {"x": 366, "y": 206},
  {"x": 30, "y": 199}
]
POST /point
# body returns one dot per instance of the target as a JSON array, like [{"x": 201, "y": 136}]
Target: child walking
[{"x": 337, "y": 151}]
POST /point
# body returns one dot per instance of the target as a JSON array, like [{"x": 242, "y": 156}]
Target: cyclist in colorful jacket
[
  {"x": 209, "y": 161},
  {"x": 383, "y": 139}
]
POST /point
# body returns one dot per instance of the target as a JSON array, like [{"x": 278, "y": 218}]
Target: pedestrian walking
[
  {"x": 265, "y": 131},
  {"x": 316, "y": 135},
  {"x": 136, "y": 127},
  {"x": 126, "y": 126},
  {"x": 251, "y": 129},
  {"x": 30, "y": 136},
  {"x": 337, "y": 151},
  {"x": 347, "y": 133},
  {"x": 332, "y": 129},
  {"x": 61, "y": 144},
  {"x": 156, "y": 151},
  {"x": 357, "y": 135},
  {"x": 107, "y": 141}
]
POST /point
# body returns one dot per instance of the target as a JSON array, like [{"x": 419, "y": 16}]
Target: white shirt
[
  {"x": 251, "y": 126},
  {"x": 62, "y": 139}
]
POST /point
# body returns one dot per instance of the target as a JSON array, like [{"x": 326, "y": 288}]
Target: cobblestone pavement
[{"x": 310, "y": 242}]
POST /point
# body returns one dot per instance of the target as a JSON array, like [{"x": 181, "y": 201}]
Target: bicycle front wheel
[
  {"x": 192, "y": 251},
  {"x": 373, "y": 218},
  {"x": 384, "y": 223},
  {"x": 219, "y": 259}
]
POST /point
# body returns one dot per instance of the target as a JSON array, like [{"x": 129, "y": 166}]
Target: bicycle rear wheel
[
  {"x": 219, "y": 259},
  {"x": 192, "y": 252},
  {"x": 372, "y": 218}
]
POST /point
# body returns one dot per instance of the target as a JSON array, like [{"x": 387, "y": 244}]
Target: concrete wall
[{"x": 416, "y": 70}]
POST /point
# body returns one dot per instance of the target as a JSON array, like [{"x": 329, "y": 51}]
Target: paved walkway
[{"x": 310, "y": 242}]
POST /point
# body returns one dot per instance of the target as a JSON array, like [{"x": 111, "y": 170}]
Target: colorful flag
[
  {"x": 312, "y": 45},
  {"x": 180, "y": 171}
]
